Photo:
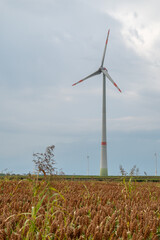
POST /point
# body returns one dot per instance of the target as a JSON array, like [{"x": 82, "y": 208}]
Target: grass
[{"x": 85, "y": 178}]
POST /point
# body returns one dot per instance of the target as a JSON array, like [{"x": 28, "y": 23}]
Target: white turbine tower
[{"x": 103, "y": 163}]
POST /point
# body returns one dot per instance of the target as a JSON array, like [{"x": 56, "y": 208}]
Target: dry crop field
[{"x": 31, "y": 209}]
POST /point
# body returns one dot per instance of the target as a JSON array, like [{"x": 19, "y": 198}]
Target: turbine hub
[{"x": 102, "y": 68}]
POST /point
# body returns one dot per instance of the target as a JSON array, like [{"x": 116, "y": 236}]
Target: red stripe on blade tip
[
  {"x": 103, "y": 143},
  {"x": 107, "y": 36}
]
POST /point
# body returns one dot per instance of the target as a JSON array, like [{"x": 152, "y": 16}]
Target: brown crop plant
[{"x": 62, "y": 209}]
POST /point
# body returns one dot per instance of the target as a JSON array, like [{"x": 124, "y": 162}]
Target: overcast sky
[{"x": 46, "y": 46}]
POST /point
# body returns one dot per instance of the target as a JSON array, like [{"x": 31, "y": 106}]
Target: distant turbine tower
[
  {"x": 156, "y": 164},
  {"x": 103, "y": 163}
]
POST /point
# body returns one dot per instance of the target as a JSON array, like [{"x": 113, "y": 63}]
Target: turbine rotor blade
[
  {"x": 105, "y": 72},
  {"x": 104, "y": 53},
  {"x": 89, "y": 76}
]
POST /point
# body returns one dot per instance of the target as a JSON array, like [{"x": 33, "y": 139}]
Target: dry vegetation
[{"x": 79, "y": 210}]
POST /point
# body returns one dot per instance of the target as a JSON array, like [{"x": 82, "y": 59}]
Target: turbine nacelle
[{"x": 102, "y": 68}]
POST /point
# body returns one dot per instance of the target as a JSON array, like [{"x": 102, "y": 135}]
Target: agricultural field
[{"x": 64, "y": 209}]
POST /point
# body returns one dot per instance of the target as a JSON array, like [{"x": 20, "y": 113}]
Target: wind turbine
[{"x": 103, "y": 162}]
